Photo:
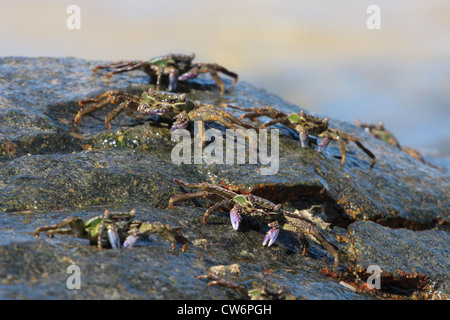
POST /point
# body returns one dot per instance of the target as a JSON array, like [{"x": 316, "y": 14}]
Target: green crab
[
  {"x": 306, "y": 125},
  {"x": 114, "y": 230},
  {"x": 178, "y": 67},
  {"x": 241, "y": 205},
  {"x": 156, "y": 103}
]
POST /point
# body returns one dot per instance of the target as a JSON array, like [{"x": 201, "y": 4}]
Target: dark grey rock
[{"x": 399, "y": 251}]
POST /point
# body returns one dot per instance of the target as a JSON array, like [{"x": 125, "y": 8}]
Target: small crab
[
  {"x": 306, "y": 125},
  {"x": 258, "y": 292},
  {"x": 155, "y": 103},
  {"x": 114, "y": 230},
  {"x": 256, "y": 207},
  {"x": 178, "y": 67},
  {"x": 379, "y": 131}
]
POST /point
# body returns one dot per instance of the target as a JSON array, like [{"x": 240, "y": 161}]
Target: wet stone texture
[{"x": 394, "y": 216}]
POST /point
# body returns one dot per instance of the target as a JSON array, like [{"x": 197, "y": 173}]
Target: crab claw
[
  {"x": 114, "y": 238},
  {"x": 324, "y": 143},
  {"x": 181, "y": 122},
  {"x": 130, "y": 241},
  {"x": 173, "y": 82},
  {"x": 271, "y": 236},
  {"x": 235, "y": 218},
  {"x": 304, "y": 139}
]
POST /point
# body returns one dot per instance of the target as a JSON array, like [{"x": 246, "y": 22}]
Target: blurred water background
[{"x": 319, "y": 54}]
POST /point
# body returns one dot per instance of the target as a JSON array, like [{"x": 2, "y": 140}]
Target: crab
[
  {"x": 259, "y": 292},
  {"x": 178, "y": 67},
  {"x": 167, "y": 105},
  {"x": 379, "y": 131},
  {"x": 306, "y": 125},
  {"x": 241, "y": 205},
  {"x": 114, "y": 230}
]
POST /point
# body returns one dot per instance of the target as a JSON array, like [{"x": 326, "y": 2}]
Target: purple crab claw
[
  {"x": 324, "y": 143},
  {"x": 173, "y": 82},
  {"x": 130, "y": 241},
  {"x": 114, "y": 238},
  {"x": 181, "y": 121},
  {"x": 235, "y": 219},
  {"x": 179, "y": 125},
  {"x": 271, "y": 236},
  {"x": 189, "y": 75},
  {"x": 304, "y": 139}
]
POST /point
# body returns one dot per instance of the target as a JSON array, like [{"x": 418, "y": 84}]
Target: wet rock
[
  {"x": 409, "y": 260},
  {"x": 87, "y": 178},
  {"x": 51, "y": 169},
  {"x": 37, "y": 268}
]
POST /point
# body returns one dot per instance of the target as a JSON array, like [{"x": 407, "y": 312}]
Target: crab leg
[
  {"x": 212, "y": 192},
  {"x": 116, "y": 65},
  {"x": 341, "y": 145},
  {"x": 173, "y": 80},
  {"x": 219, "y": 81},
  {"x": 215, "y": 207},
  {"x": 100, "y": 235},
  {"x": 209, "y": 112},
  {"x": 253, "y": 113},
  {"x": 367, "y": 151},
  {"x": 225, "y": 193},
  {"x": 219, "y": 68},
  {"x": 159, "y": 73},
  {"x": 121, "y": 66},
  {"x": 188, "y": 196},
  {"x": 90, "y": 109},
  {"x": 303, "y": 241},
  {"x": 341, "y": 137},
  {"x": 301, "y": 225},
  {"x": 116, "y": 111},
  {"x": 204, "y": 194},
  {"x": 76, "y": 225},
  {"x": 213, "y": 69},
  {"x": 113, "y": 236},
  {"x": 123, "y": 100},
  {"x": 215, "y": 280},
  {"x": 170, "y": 234}
]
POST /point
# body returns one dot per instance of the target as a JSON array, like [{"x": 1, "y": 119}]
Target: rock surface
[{"x": 394, "y": 215}]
